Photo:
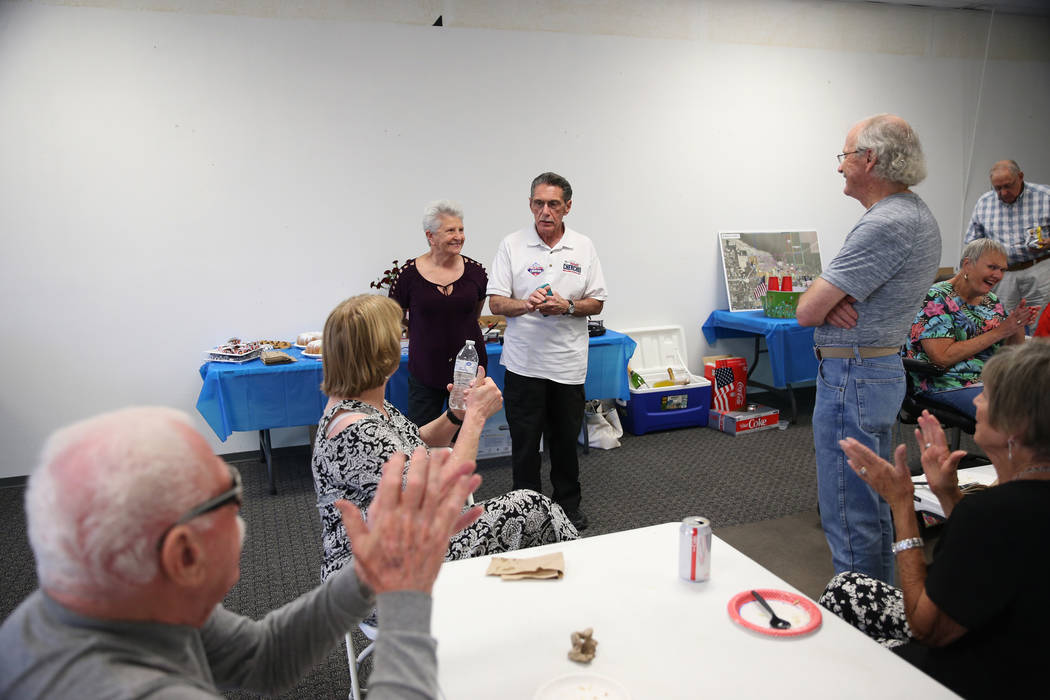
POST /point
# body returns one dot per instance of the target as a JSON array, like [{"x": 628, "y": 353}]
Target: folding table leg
[
  {"x": 793, "y": 415},
  {"x": 266, "y": 455}
]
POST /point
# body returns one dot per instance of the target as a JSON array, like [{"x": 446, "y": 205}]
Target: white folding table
[{"x": 658, "y": 636}]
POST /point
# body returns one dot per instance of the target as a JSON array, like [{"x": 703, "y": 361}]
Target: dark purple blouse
[{"x": 438, "y": 323}]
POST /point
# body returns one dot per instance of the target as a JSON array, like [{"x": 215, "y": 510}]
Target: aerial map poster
[{"x": 748, "y": 258}]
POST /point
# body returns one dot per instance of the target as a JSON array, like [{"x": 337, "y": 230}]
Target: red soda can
[{"x": 694, "y": 549}]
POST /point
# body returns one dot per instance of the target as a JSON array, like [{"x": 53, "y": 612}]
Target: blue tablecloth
[
  {"x": 790, "y": 345},
  {"x": 253, "y": 396}
]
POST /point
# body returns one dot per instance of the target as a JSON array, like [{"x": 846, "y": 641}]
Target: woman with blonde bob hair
[
  {"x": 976, "y": 618},
  {"x": 360, "y": 430}
]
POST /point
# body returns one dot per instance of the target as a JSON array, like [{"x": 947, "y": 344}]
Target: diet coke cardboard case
[{"x": 757, "y": 418}]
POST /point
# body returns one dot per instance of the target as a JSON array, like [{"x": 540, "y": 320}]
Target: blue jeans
[
  {"x": 960, "y": 399},
  {"x": 857, "y": 398}
]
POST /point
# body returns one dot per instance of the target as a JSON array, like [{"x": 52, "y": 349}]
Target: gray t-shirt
[
  {"x": 888, "y": 262},
  {"x": 49, "y": 651}
]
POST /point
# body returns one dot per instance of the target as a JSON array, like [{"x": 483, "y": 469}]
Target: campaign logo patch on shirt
[
  {"x": 535, "y": 269},
  {"x": 572, "y": 266}
]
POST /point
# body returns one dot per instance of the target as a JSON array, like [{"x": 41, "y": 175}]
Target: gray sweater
[{"x": 48, "y": 651}]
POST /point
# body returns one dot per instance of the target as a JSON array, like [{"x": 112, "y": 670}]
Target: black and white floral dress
[
  {"x": 874, "y": 607},
  {"x": 349, "y": 465}
]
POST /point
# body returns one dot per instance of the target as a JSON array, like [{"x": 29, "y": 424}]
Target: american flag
[
  {"x": 760, "y": 290},
  {"x": 723, "y": 388}
]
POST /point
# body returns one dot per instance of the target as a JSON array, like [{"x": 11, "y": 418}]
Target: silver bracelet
[{"x": 910, "y": 543}]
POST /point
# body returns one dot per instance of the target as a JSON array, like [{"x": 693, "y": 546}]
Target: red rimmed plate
[{"x": 797, "y": 609}]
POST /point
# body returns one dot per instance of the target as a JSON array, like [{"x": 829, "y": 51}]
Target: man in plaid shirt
[{"x": 1017, "y": 214}]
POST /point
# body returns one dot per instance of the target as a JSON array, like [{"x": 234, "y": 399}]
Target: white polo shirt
[{"x": 547, "y": 347}]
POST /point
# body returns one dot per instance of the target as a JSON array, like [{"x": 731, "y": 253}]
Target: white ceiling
[{"x": 1016, "y": 7}]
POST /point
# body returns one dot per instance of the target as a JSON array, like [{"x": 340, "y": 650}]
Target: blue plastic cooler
[{"x": 663, "y": 408}]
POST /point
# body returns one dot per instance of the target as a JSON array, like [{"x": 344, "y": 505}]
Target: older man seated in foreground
[{"x": 134, "y": 524}]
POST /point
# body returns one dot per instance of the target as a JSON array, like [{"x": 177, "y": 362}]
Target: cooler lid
[{"x": 659, "y": 347}]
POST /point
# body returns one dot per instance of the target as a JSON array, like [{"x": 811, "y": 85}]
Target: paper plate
[
  {"x": 797, "y": 609},
  {"x": 582, "y": 686},
  {"x": 314, "y": 355}
]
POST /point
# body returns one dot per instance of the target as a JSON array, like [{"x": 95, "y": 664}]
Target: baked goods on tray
[
  {"x": 235, "y": 350},
  {"x": 304, "y": 338},
  {"x": 313, "y": 347}
]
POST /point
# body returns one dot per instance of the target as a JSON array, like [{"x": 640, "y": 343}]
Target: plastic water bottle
[{"x": 464, "y": 372}]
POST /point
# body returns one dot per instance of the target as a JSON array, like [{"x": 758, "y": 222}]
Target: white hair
[
  {"x": 979, "y": 247},
  {"x": 433, "y": 212},
  {"x": 898, "y": 153},
  {"x": 104, "y": 492}
]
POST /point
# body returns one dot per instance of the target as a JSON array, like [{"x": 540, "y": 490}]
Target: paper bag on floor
[{"x": 604, "y": 429}]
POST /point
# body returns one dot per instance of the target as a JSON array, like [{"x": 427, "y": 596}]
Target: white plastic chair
[{"x": 354, "y": 659}]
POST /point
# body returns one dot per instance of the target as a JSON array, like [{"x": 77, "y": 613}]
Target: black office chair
[{"x": 953, "y": 420}]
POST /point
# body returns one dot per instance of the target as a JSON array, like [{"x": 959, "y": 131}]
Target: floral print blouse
[{"x": 944, "y": 314}]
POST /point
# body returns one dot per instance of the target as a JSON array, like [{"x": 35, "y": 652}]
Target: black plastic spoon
[{"x": 774, "y": 621}]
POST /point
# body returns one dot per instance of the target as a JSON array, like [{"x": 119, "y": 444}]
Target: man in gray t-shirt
[{"x": 862, "y": 305}]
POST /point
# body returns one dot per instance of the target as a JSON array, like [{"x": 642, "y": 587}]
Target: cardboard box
[
  {"x": 742, "y": 422},
  {"x": 728, "y": 377}
]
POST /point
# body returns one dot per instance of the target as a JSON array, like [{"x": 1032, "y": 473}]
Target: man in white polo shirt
[{"x": 546, "y": 279}]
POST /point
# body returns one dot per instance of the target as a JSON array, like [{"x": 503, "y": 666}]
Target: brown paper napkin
[
  {"x": 276, "y": 357},
  {"x": 544, "y": 566}
]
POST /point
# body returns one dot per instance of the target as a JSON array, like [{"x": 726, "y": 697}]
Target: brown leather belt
[
  {"x": 846, "y": 352},
  {"x": 1017, "y": 267}
]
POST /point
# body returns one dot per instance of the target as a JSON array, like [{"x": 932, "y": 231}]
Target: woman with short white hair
[
  {"x": 961, "y": 324},
  {"x": 442, "y": 293}
]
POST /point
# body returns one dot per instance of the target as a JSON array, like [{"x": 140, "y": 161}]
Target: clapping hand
[
  {"x": 940, "y": 464},
  {"x": 403, "y": 543},
  {"x": 1023, "y": 315},
  {"x": 891, "y": 481}
]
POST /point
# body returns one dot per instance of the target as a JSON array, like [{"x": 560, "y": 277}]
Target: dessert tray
[{"x": 236, "y": 350}]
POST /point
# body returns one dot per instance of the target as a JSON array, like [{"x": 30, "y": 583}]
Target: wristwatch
[{"x": 572, "y": 308}]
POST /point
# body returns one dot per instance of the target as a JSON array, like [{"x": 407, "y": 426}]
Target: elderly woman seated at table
[
  {"x": 359, "y": 431},
  {"x": 961, "y": 325},
  {"x": 977, "y": 618}
]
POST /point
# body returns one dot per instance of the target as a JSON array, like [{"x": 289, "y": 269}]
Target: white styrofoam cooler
[{"x": 662, "y": 408}]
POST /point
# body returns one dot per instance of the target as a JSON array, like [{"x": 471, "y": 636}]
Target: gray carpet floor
[{"x": 758, "y": 490}]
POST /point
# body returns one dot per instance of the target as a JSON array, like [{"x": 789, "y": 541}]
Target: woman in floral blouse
[{"x": 962, "y": 323}]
